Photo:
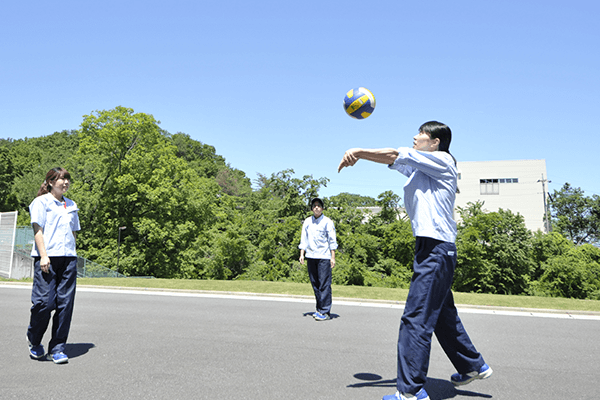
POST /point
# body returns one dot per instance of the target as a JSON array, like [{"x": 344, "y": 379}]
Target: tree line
[{"x": 187, "y": 213}]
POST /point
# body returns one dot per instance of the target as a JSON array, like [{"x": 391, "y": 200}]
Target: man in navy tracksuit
[{"x": 318, "y": 243}]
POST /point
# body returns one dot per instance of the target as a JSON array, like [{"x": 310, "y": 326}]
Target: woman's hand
[
  {"x": 38, "y": 237},
  {"x": 349, "y": 159},
  {"x": 382, "y": 156},
  {"x": 45, "y": 264}
]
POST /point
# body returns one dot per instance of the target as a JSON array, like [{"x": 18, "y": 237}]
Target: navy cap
[{"x": 313, "y": 201}]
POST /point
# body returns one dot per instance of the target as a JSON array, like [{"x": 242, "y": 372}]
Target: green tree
[
  {"x": 390, "y": 207},
  {"x": 574, "y": 274},
  {"x": 204, "y": 160},
  {"x": 545, "y": 247},
  {"x": 8, "y": 200},
  {"x": 233, "y": 182},
  {"x": 271, "y": 219},
  {"x": 31, "y": 159},
  {"x": 493, "y": 252},
  {"x": 201, "y": 157},
  {"x": 128, "y": 174},
  {"x": 399, "y": 243},
  {"x": 575, "y": 215},
  {"x": 351, "y": 200},
  {"x": 289, "y": 196}
]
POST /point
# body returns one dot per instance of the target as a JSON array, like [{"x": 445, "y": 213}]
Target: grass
[{"x": 345, "y": 292}]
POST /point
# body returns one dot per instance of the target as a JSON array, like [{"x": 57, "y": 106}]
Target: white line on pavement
[{"x": 293, "y": 299}]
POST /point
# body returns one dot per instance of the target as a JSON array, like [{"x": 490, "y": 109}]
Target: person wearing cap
[{"x": 318, "y": 244}]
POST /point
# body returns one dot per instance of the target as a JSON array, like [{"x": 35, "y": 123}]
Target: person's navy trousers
[
  {"x": 430, "y": 308},
  {"x": 53, "y": 291},
  {"x": 319, "y": 272}
]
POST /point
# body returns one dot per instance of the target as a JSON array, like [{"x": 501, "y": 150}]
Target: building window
[
  {"x": 508, "y": 180},
  {"x": 489, "y": 186}
]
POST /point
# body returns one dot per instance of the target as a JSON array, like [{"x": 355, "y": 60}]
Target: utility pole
[{"x": 546, "y": 219}]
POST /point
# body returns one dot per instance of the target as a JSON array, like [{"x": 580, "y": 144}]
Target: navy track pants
[
  {"x": 430, "y": 308},
  {"x": 53, "y": 291},
  {"x": 319, "y": 272}
]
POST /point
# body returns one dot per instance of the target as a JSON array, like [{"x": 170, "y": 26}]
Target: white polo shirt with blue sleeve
[
  {"x": 318, "y": 237},
  {"x": 430, "y": 192},
  {"x": 58, "y": 222}
]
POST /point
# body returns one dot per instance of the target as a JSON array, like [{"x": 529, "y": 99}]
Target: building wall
[{"x": 511, "y": 185}]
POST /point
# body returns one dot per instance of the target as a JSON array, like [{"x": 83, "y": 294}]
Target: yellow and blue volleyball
[{"x": 359, "y": 103}]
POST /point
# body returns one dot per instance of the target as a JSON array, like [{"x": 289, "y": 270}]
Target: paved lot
[{"x": 148, "y": 345}]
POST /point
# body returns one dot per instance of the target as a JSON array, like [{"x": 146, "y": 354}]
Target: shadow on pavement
[
  {"x": 436, "y": 388},
  {"x": 78, "y": 349}
]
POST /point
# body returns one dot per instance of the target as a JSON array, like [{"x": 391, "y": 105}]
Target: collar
[{"x": 51, "y": 196}]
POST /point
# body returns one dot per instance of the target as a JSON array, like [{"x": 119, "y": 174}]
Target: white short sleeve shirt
[{"x": 58, "y": 222}]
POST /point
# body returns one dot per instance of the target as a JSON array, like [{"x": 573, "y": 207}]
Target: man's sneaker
[
  {"x": 321, "y": 317},
  {"x": 58, "y": 358},
  {"x": 35, "y": 352},
  {"x": 421, "y": 395},
  {"x": 462, "y": 379}
]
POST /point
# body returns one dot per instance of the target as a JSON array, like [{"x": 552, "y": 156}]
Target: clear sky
[{"x": 263, "y": 81}]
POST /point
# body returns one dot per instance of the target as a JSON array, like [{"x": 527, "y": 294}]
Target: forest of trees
[{"x": 188, "y": 214}]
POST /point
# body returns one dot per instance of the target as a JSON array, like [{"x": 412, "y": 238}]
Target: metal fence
[
  {"x": 8, "y": 221},
  {"x": 85, "y": 268},
  {"x": 89, "y": 269}
]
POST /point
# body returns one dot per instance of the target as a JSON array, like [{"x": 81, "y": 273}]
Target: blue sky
[{"x": 263, "y": 81}]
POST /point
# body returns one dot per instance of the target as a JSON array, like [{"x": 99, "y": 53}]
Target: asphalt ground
[{"x": 141, "y": 344}]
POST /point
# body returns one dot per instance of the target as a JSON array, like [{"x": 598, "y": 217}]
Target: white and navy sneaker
[
  {"x": 35, "y": 352},
  {"x": 421, "y": 395},
  {"x": 462, "y": 379},
  {"x": 58, "y": 358},
  {"x": 321, "y": 317}
]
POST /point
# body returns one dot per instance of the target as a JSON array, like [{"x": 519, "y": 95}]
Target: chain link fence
[{"x": 85, "y": 268}]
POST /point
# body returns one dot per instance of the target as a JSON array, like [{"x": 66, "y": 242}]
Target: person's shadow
[
  {"x": 436, "y": 388},
  {"x": 78, "y": 349},
  {"x": 73, "y": 350}
]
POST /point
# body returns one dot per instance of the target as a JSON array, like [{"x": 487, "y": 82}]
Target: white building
[{"x": 518, "y": 185}]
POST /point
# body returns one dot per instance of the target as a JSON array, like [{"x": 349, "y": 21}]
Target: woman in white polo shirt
[
  {"x": 429, "y": 196},
  {"x": 54, "y": 220}
]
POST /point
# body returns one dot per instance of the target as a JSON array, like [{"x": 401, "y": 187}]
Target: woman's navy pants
[
  {"x": 53, "y": 291},
  {"x": 430, "y": 308}
]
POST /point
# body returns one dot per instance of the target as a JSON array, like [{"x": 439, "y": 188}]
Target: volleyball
[{"x": 359, "y": 103}]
